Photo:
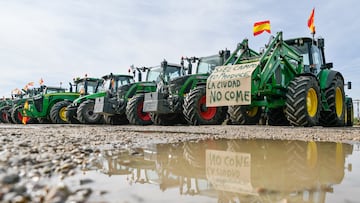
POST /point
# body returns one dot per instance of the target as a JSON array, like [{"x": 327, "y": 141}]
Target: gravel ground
[{"x": 33, "y": 156}]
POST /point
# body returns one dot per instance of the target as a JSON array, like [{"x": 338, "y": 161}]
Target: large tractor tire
[
  {"x": 16, "y": 115},
  {"x": 303, "y": 101},
  {"x": 134, "y": 111},
  {"x": 165, "y": 119},
  {"x": 277, "y": 117},
  {"x": 349, "y": 113},
  {"x": 71, "y": 116},
  {"x": 335, "y": 97},
  {"x": 57, "y": 112},
  {"x": 43, "y": 121},
  {"x": 4, "y": 114},
  {"x": 244, "y": 115},
  {"x": 196, "y": 112},
  {"x": 116, "y": 119},
  {"x": 86, "y": 115}
]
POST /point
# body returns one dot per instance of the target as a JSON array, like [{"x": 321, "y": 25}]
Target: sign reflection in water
[{"x": 236, "y": 170}]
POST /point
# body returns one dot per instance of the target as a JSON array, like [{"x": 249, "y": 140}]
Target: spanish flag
[
  {"x": 311, "y": 24},
  {"x": 260, "y": 27}
]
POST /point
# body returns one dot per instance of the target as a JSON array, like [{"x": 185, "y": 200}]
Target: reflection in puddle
[{"x": 234, "y": 170}]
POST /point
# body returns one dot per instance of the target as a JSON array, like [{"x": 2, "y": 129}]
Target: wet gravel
[{"x": 35, "y": 159}]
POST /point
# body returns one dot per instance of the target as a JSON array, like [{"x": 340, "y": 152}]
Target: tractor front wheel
[
  {"x": 244, "y": 115},
  {"x": 349, "y": 113},
  {"x": 197, "y": 113},
  {"x": 4, "y": 114},
  {"x": 57, "y": 112},
  {"x": 134, "y": 111},
  {"x": 335, "y": 97},
  {"x": 71, "y": 116},
  {"x": 86, "y": 115},
  {"x": 303, "y": 101}
]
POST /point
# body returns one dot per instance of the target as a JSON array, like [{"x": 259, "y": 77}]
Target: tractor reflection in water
[{"x": 236, "y": 170}]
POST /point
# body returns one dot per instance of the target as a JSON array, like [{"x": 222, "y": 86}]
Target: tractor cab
[
  {"x": 86, "y": 85},
  {"x": 207, "y": 64},
  {"x": 312, "y": 53},
  {"x": 112, "y": 82},
  {"x": 164, "y": 73}
]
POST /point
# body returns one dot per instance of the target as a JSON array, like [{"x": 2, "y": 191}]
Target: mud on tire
[
  {"x": 85, "y": 113},
  {"x": 244, "y": 115}
]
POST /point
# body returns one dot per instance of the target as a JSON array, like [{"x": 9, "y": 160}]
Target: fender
[{"x": 326, "y": 77}]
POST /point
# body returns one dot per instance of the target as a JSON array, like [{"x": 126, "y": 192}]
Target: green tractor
[
  {"x": 174, "y": 94},
  {"x": 290, "y": 80},
  {"x": 126, "y": 105},
  {"x": 51, "y": 106},
  {"x": 82, "y": 109}
]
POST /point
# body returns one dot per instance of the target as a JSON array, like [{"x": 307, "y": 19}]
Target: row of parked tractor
[{"x": 287, "y": 83}]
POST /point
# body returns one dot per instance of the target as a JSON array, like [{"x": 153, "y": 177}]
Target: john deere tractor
[
  {"x": 167, "y": 103},
  {"x": 51, "y": 106},
  {"x": 126, "y": 106},
  {"x": 82, "y": 109},
  {"x": 290, "y": 79}
]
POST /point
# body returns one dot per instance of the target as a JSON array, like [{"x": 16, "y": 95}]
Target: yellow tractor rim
[
  {"x": 251, "y": 112},
  {"x": 312, "y": 102},
  {"x": 312, "y": 154},
  {"x": 62, "y": 113},
  {"x": 339, "y": 104}
]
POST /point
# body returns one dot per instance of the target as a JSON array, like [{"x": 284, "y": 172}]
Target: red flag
[
  {"x": 41, "y": 81},
  {"x": 260, "y": 27},
  {"x": 311, "y": 24}
]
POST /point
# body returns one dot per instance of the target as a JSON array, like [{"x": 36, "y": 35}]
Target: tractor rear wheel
[
  {"x": 85, "y": 113},
  {"x": 16, "y": 115},
  {"x": 303, "y": 101},
  {"x": 165, "y": 119},
  {"x": 134, "y": 111},
  {"x": 71, "y": 116},
  {"x": 4, "y": 114},
  {"x": 43, "y": 120},
  {"x": 335, "y": 97},
  {"x": 57, "y": 112},
  {"x": 277, "y": 117},
  {"x": 244, "y": 115},
  {"x": 116, "y": 119},
  {"x": 196, "y": 112}
]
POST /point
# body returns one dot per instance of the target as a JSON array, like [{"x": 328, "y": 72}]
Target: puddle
[{"x": 226, "y": 171}]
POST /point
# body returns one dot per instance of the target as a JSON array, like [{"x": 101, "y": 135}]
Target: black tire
[
  {"x": 116, "y": 119},
  {"x": 4, "y": 114},
  {"x": 57, "y": 112},
  {"x": 196, "y": 112},
  {"x": 303, "y": 101},
  {"x": 335, "y": 98},
  {"x": 16, "y": 115},
  {"x": 85, "y": 113},
  {"x": 9, "y": 115},
  {"x": 244, "y": 115},
  {"x": 277, "y": 117},
  {"x": 166, "y": 119},
  {"x": 71, "y": 116},
  {"x": 134, "y": 112},
  {"x": 349, "y": 119}
]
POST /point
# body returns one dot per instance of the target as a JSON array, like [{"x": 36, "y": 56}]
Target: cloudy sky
[{"x": 60, "y": 40}]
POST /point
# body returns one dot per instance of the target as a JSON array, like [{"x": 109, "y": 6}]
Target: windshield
[
  {"x": 91, "y": 87},
  {"x": 208, "y": 64},
  {"x": 112, "y": 84},
  {"x": 304, "y": 51},
  {"x": 171, "y": 72},
  {"x": 50, "y": 90}
]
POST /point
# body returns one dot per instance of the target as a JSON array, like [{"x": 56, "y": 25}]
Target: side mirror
[
  {"x": 349, "y": 85},
  {"x": 327, "y": 66}
]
